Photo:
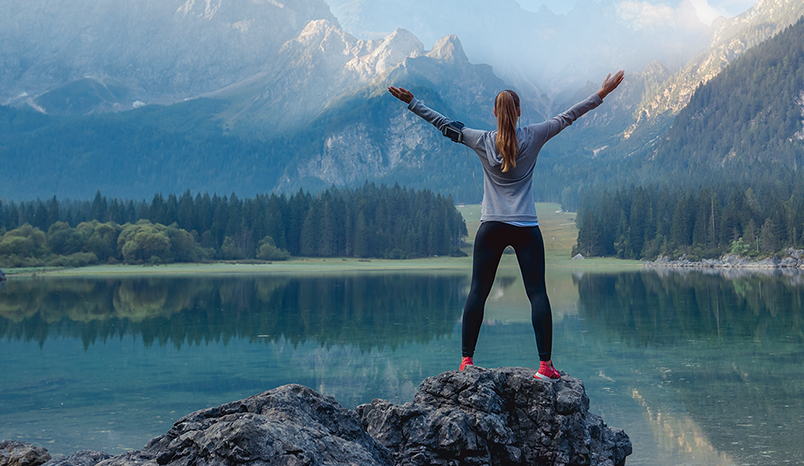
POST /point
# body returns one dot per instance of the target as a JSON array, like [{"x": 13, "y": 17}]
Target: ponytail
[{"x": 506, "y": 106}]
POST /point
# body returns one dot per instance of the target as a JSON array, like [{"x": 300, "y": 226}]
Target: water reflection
[
  {"x": 677, "y": 307},
  {"x": 728, "y": 349},
  {"x": 698, "y": 368},
  {"x": 364, "y": 311}
]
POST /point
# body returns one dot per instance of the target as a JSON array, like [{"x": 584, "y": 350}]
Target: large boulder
[
  {"x": 15, "y": 453},
  {"x": 495, "y": 417},
  {"x": 290, "y": 425}
]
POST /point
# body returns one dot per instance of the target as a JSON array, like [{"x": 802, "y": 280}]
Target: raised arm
[
  {"x": 554, "y": 125},
  {"x": 431, "y": 116}
]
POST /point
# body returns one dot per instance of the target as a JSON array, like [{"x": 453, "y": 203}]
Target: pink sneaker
[
  {"x": 467, "y": 361},
  {"x": 547, "y": 372}
]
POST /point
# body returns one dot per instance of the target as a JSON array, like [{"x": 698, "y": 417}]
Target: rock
[
  {"x": 475, "y": 417},
  {"x": 290, "y": 425},
  {"x": 15, "y": 453},
  {"x": 495, "y": 417},
  {"x": 789, "y": 262},
  {"x": 81, "y": 458}
]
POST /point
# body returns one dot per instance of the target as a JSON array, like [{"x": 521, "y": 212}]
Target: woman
[{"x": 508, "y": 217}]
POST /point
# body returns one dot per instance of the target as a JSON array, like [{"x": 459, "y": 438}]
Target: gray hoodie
[{"x": 508, "y": 197}]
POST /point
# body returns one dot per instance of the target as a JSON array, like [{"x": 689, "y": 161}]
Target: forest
[
  {"x": 643, "y": 222},
  {"x": 370, "y": 221}
]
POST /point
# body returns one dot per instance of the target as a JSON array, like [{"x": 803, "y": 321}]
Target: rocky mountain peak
[
  {"x": 448, "y": 48},
  {"x": 392, "y": 50}
]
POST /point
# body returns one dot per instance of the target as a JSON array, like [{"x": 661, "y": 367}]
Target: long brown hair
[{"x": 506, "y": 107}]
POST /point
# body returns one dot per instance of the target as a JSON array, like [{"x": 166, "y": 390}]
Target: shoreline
[
  {"x": 793, "y": 260},
  {"x": 312, "y": 265}
]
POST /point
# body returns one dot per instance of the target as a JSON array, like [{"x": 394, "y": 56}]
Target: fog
[
  {"x": 554, "y": 47},
  {"x": 707, "y": 10}
]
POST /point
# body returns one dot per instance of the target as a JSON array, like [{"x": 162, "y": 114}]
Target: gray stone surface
[
  {"x": 290, "y": 425},
  {"x": 495, "y": 417},
  {"x": 791, "y": 260},
  {"x": 15, "y": 453},
  {"x": 81, "y": 458}
]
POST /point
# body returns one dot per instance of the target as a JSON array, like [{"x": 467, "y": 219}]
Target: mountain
[
  {"x": 261, "y": 96},
  {"x": 732, "y": 37},
  {"x": 324, "y": 66},
  {"x": 318, "y": 115},
  {"x": 152, "y": 51}
]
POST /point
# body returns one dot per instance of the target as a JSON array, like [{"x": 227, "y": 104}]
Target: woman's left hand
[
  {"x": 400, "y": 93},
  {"x": 610, "y": 83}
]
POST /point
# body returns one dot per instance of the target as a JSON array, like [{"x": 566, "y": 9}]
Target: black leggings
[{"x": 491, "y": 240}]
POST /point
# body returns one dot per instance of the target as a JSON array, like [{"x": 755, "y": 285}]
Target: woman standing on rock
[{"x": 508, "y": 217}]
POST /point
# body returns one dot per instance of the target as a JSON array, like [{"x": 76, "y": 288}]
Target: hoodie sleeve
[
  {"x": 473, "y": 138},
  {"x": 429, "y": 115},
  {"x": 554, "y": 125}
]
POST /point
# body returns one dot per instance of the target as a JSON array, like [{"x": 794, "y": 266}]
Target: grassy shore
[{"x": 558, "y": 228}]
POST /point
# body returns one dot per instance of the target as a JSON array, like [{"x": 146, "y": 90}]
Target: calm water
[{"x": 697, "y": 368}]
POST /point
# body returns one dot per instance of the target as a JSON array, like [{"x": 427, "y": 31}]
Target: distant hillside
[{"x": 746, "y": 123}]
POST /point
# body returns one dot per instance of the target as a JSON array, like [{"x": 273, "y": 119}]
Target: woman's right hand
[{"x": 400, "y": 93}]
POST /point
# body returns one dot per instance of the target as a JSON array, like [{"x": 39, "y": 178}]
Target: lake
[{"x": 697, "y": 368}]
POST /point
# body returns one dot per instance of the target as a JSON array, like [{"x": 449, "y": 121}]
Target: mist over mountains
[{"x": 258, "y": 96}]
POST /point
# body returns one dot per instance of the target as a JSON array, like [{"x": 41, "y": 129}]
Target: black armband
[{"x": 453, "y": 131}]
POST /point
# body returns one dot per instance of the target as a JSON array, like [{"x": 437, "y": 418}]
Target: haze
[
  {"x": 553, "y": 50},
  {"x": 707, "y": 10}
]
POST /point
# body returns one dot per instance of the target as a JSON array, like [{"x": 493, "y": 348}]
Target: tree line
[
  {"x": 370, "y": 221},
  {"x": 643, "y": 222}
]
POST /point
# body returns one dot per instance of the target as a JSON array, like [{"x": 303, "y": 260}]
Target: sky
[{"x": 707, "y": 10}]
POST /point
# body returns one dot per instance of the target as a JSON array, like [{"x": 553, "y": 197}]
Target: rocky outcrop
[
  {"x": 475, "y": 417},
  {"x": 290, "y": 425},
  {"x": 14, "y": 453},
  {"x": 495, "y": 417}
]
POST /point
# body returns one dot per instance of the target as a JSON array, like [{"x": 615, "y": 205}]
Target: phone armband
[{"x": 453, "y": 131}]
